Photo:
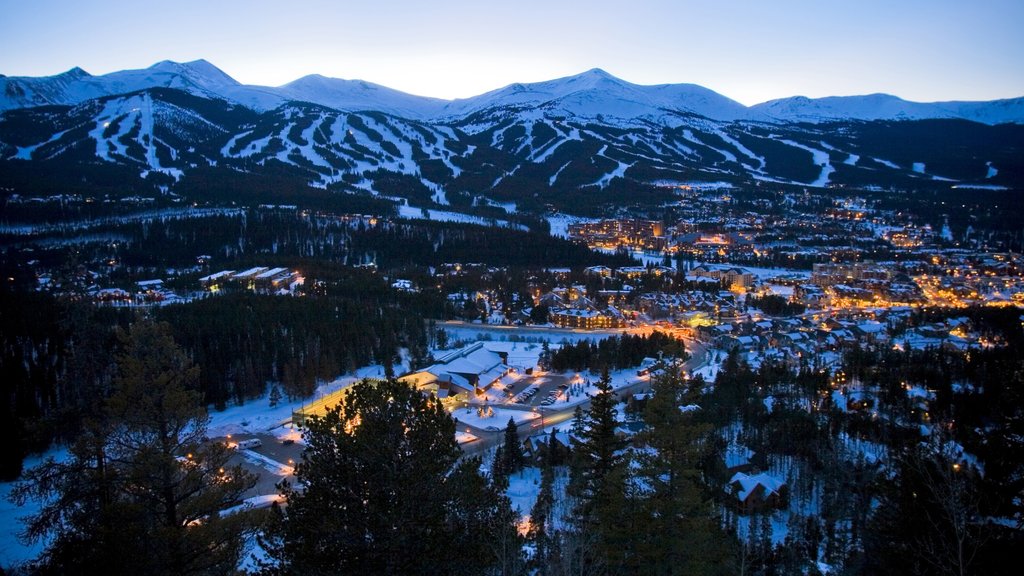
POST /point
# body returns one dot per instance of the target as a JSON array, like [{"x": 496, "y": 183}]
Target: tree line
[
  {"x": 614, "y": 352},
  {"x": 57, "y": 354}
]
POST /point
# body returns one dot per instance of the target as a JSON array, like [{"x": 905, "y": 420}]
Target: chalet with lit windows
[{"x": 469, "y": 371}]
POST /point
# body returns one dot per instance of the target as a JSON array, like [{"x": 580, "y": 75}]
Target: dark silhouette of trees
[
  {"x": 142, "y": 490},
  {"x": 382, "y": 490}
]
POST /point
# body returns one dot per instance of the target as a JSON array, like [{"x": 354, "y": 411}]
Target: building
[
  {"x": 587, "y": 319},
  {"x": 758, "y": 491},
  {"x": 734, "y": 277},
  {"x": 258, "y": 279},
  {"x": 471, "y": 370}
]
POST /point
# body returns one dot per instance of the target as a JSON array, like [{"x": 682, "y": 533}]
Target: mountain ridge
[{"x": 590, "y": 94}]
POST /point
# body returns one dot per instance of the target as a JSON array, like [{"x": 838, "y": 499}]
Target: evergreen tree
[
  {"x": 142, "y": 489},
  {"x": 579, "y": 422},
  {"x": 540, "y": 522},
  {"x": 512, "y": 449},
  {"x": 679, "y": 533},
  {"x": 384, "y": 492},
  {"x": 598, "y": 483}
]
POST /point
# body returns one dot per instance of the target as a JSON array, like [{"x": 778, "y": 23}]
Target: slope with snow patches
[{"x": 588, "y": 130}]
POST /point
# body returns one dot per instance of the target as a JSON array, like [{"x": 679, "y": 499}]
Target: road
[{"x": 551, "y": 416}]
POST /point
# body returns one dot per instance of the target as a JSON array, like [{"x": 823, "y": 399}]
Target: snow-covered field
[
  {"x": 496, "y": 334},
  {"x": 406, "y": 211}
]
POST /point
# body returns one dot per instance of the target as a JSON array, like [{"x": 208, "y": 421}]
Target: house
[
  {"x": 758, "y": 491},
  {"x": 471, "y": 370}
]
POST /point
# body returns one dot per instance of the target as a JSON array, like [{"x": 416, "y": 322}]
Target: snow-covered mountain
[
  {"x": 585, "y": 138},
  {"x": 76, "y": 86},
  {"x": 592, "y": 94},
  {"x": 597, "y": 93},
  {"x": 886, "y": 107},
  {"x": 357, "y": 95}
]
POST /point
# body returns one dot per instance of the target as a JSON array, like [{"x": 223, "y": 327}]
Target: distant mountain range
[
  {"x": 588, "y": 94},
  {"x": 566, "y": 142}
]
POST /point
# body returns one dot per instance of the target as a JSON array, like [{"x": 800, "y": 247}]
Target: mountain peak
[{"x": 76, "y": 73}]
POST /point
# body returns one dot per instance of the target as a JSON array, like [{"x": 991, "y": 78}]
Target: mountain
[
  {"x": 597, "y": 93},
  {"x": 76, "y": 86},
  {"x": 886, "y": 107},
  {"x": 592, "y": 94},
  {"x": 358, "y": 95},
  {"x": 581, "y": 144}
]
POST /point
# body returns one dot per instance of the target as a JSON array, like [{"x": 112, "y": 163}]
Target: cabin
[{"x": 758, "y": 492}]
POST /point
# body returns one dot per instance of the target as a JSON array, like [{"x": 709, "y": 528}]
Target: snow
[
  {"x": 258, "y": 416},
  {"x": 885, "y": 107},
  {"x": 595, "y": 92},
  {"x": 820, "y": 158},
  {"x": 618, "y": 172},
  {"x": 559, "y": 223},
  {"x": 979, "y": 187},
  {"x": 992, "y": 171},
  {"x": 11, "y": 550},
  {"x": 523, "y": 488},
  {"x": 488, "y": 416},
  {"x": 729, "y": 156},
  {"x": 586, "y": 95},
  {"x": 412, "y": 212},
  {"x": 554, "y": 177},
  {"x": 887, "y": 163},
  {"x": 358, "y": 95},
  {"x": 562, "y": 138},
  {"x": 743, "y": 149},
  {"x": 25, "y": 152}
]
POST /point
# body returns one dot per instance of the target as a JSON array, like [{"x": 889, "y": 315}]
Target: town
[{"x": 775, "y": 317}]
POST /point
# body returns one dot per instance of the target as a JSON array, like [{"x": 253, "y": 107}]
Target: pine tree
[
  {"x": 512, "y": 449},
  {"x": 142, "y": 490},
  {"x": 384, "y": 492},
  {"x": 679, "y": 533},
  {"x": 540, "y": 522},
  {"x": 598, "y": 483},
  {"x": 579, "y": 422}
]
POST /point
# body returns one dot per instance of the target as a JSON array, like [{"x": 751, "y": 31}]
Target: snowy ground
[
  {"x": 406, "y": 211},
  {"x": 11, "y": 550},
  {"x": 763, "y": 274},
  {"x": 523, "y": 488},
  {"x": 709, "y": 370},
  {"x": 254, "y": 417},
  {"x": 560, "y": 224},
  {"x": 258, "y": 416},
  {"x": 495, "y": 334},
  {"x": 485, "y": 417}
]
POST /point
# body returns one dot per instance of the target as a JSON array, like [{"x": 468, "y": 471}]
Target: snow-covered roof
[
  {"x": 749, "y": 483},
  {"x": 270, "y": 273}
]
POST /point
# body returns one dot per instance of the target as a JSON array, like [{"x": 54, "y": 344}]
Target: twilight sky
[{"x": 748, "y": 50}]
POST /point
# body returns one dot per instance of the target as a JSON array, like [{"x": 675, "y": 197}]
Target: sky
[{"x": 748, "y": 50}]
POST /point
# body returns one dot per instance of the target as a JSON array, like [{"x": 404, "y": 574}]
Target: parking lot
[
  {"x": 536, "y": 390},
  {"x": 271, "y": 462}
]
